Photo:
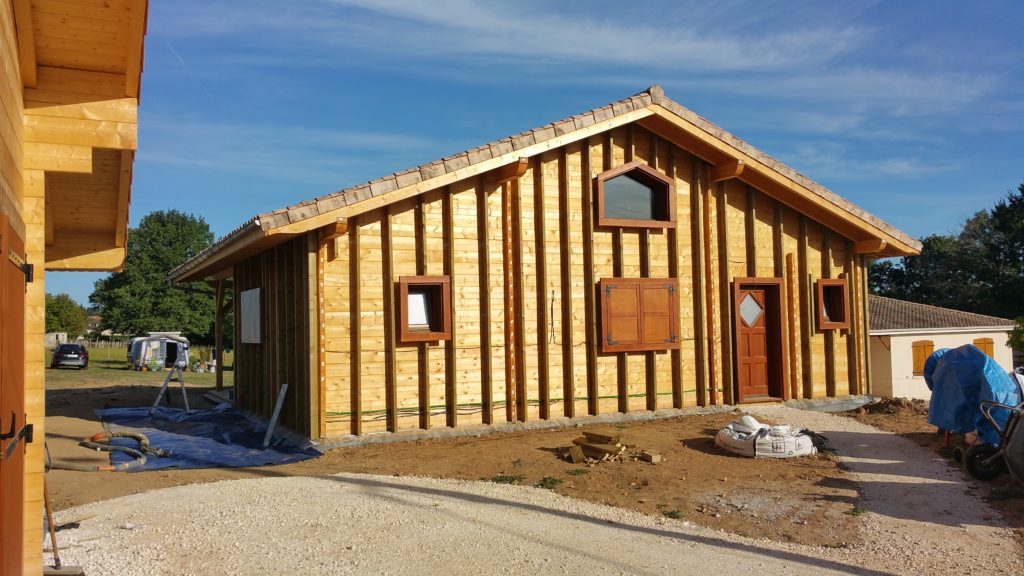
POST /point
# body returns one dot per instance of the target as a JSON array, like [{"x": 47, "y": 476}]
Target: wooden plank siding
[
  {"x": 282, "y": 356},
  {"x": 530, "y": 251}
]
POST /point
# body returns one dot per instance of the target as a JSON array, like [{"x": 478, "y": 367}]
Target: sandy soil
[{"x": 812, "y": 501}]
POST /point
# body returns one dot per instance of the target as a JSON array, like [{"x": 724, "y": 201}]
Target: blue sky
[{"x": 913, "y": 110}]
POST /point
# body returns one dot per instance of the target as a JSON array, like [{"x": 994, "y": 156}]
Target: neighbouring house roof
[
  {"x": 892, "y": 316},
  {"x": 650, "y": 109}
]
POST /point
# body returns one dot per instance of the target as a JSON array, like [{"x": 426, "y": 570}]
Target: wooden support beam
[
  {"x": 355, "y": 335},
  {"x": 565, "y": 239},
  {"x": 852, "y": 334},
  {"x": 26, "y": 42},
  {"x": 390, "y": 339},
  {"x": 513, "y": 410},
  {"x": 710, "y": 287},
  {"x": 725, "y": 306},
  {"x": 830, "y": 335},
  {"x": 518, "y": 343},
  {"x": 675, "y": 355},
  {"x": 451, "y": 373},
  {"x": 872, "y": 246},
  {"x": 540, "y": 253},
  {"x": 508, "y": 172},
  {"x": 335, "y": 229},
  {"x": 316, "y": 403},
  {"x": 484, "y": 265},
  {"x": 727, "y": 171},
  {"x": 862, "y": 262},
  {"x": 778, "y": 232},
  {"x": 749, "y": 232},
  {"x": 48, "y": 219},
  {"x": 806, "y": 310},
  {"x": 792, "y": 314},
  {"x": 698, "y": 255},
  {"x": 589, "y": 295},
  {"x": 319, "y": 315},
  {"x": 218, "y": 332},
  {"x": 423, "y": 348}
]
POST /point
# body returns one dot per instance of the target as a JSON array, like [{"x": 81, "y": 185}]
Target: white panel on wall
[{"x": 250, "y": 311}]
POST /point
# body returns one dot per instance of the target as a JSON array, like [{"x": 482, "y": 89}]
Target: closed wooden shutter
[
  {"x": 986, "y": 345},
  {"x": 922, "y": 350},
  {"x": 639, "y": 314}
]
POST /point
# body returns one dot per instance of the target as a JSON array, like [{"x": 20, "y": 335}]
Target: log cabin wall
[
  {"x": 524, "y": 258},
  {"x": 282, "y": 355}
]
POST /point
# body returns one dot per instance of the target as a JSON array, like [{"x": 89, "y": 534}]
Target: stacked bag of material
[{"x": 748, "y": 437}]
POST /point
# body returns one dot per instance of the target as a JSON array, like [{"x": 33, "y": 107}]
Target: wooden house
[
  {"x": 633, "y": 257},
  {"x": 69, "y": 92}
]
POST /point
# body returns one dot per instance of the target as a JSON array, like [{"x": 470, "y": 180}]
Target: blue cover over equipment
[{"x": 960, "y": 378}]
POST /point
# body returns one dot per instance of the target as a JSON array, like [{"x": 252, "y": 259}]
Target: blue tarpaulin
[
  {"x": 960, "y": 378},
  {"x": 221, "y": 437}
]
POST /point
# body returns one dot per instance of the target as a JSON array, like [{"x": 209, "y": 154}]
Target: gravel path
[{"x": 922, "y": 519}]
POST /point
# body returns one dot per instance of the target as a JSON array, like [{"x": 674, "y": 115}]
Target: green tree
[
  {"x": 140, "y": 299},
  {"x": 63, "y": 314},
  {"x": 980, "y": 269}
]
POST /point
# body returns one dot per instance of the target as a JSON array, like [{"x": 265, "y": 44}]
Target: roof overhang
[
  {"x": 923, "y": 331},
  {"x": 729, "y": 156}
]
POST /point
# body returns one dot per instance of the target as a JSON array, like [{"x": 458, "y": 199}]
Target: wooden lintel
[
  {"x": 508, "y": 172},
  {"x": 26, "y": 42},
  {"x": 334, "y": 230},
  {"x": 872, "y": 246},
  {"x": 727, "y": 171}
]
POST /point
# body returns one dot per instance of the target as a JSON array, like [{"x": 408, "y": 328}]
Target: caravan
[{"x": 158, "y": 351}]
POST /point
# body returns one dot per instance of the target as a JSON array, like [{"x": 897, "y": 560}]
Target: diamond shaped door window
[{"x": 750, "y": 310}]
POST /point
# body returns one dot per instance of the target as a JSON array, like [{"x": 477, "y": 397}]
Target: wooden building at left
[{"x": 69, "y": 94}]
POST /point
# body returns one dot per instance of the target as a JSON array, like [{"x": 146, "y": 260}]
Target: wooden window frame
[
  {"x": 835, "y": 292},
  {"x": 647, "y": 175},
  {"x": 608, "y": 343},
  {"x": 986, "y": 345},
  {"x": 439, "y": 289},
  {"x": 919, "y": 360}
]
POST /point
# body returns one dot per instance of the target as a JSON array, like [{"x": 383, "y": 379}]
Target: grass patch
[
  {"x": 508, "y": 478},
  {"x": 577, "y": 472},
  {"x": 548, "y": 482},
  {"x": 673, "y": 514},
  {"x": 856, "y": 511},
  {"x": 835, "y": 545},
  {"x": 518, "y": 462}
]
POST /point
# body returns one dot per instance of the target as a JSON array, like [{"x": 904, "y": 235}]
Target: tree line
[{"x": 979, "y": 269}]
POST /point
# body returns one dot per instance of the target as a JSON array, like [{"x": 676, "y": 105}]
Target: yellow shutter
[
  {"x": 986, "y": 345},
  {"x": 922, "y": 350}
]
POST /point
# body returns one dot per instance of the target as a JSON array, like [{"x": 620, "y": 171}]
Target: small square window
[
  {"x": 424, "y": 308},
  {"x": 833, "y": 304},
  {"x": 635, "y": 196}
]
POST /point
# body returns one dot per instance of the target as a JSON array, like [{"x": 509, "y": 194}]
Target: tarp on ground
[
  {"x": 960, "y": 379},
  {"x": 224, "y": 436}
]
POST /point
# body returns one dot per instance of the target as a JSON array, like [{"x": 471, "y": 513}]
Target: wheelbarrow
[{"x": 985, "y": 461}]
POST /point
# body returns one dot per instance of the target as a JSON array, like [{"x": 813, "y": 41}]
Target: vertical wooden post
[
  {"x": 830, "y": 335},
  {"x": 423, "y": 348},
  {"x": 540, "y": 254},
  {"x": 511, "y": 385},
  {"x": 565, "y": 238},
  {"x": 750, "y": 232},
  {"x": 807, "y": 320},
  {"x": 451, "y": 389},
  {"x": 390, "y": 370},
  {"x": 675, "y": 354},
  {"x": 590, "y": 285},
  {"x": 698, "y": 203},
  {"x": 778, "y": 231},
  {"x": 866, "y": 320},
  {"x": 484, "y": 260},
  {"x": 853, "y": 334},
  {"x": 724, "y": 301},
  {"x": 218, "y": 330},
  {"x": 314, "y": 349},
  {"x": 792, "y": 315},
  {"x": 519, "y": 304},
  {"x": 355, "y": 321}
]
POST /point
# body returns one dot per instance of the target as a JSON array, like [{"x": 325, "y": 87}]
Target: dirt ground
[{"x": 809, "y": 500}]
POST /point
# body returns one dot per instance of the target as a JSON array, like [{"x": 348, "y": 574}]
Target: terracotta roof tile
[{"x": 890, "y": 314}]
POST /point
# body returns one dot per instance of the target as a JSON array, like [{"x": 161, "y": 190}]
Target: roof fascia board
[
  {"x": 424, "y": 186},
  {"x": 219, "y": 258}
]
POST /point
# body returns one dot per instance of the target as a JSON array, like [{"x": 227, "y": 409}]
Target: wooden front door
[
  {"x": 12, "y": 398},
  {"x": 760, "y": 369}
]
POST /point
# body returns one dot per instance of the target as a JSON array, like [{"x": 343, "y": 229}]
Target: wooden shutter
[
  {"x": 922, "y": 350},
  {"x": 639, "y": 314},
  {"x": 986, "y": 345}
]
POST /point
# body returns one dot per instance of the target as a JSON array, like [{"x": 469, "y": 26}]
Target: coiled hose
[{"x": 101, "y": 441}]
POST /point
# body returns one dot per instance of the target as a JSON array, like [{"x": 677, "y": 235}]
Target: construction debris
[
  {"x": 650, "y": 456},
  {"x": 604, "y": 446}
]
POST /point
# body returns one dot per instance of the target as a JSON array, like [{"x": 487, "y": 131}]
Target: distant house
[{"x": 903, "y": 335}]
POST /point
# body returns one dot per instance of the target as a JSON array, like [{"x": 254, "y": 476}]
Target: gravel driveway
[{"x": 922, "y": 518}]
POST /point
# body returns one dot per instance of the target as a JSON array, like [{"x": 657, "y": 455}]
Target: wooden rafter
[
  {"x": 727, "y": 171},
  {"x": 334, "y": 230},
  {"x": 872, "y": 246}
]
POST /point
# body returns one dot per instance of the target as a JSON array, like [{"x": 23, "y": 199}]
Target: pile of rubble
[{"x": 604, "y": 446}]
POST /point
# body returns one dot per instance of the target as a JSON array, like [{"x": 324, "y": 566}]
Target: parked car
[{"x": 70, "y": 355}]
